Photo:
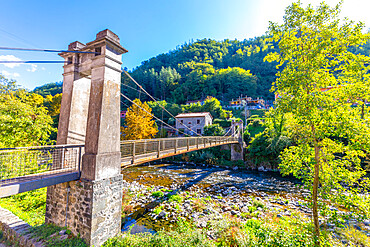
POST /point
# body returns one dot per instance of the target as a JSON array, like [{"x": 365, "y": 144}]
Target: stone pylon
[
  {"x": 237, "y": 150},
  {"x": 90, "y": 114}
]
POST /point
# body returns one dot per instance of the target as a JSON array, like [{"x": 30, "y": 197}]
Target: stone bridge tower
[
  {"x": 90, "y": 115},
  {"x": 237, "y": 150}
]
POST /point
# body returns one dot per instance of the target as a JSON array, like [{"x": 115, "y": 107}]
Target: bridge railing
[
  {"x": 27, "y": 163},
  {"x": 160, "y": 146}
]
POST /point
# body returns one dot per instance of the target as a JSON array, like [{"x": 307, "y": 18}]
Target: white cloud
[
  {"x": 9, "y": 74},
  {"x": 10, "y": 58},
  {"x": 43, "y": 68},
  {"x": 33, "y": 68}
]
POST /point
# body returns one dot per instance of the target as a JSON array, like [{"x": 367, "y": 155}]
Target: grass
[
  {"x": 258, "y": 204},
  {"x": 158, "y": 194},
  {"x": 28, "y": 206},
  {"x": 357, "y": 237},
  {"x": 175, "y": 198},
  {"x": 157, "y": 210},
  {"x": 270, "y": 232},
  {"x": 185, "y": 235},
  {"x": 50, "y": 234}
]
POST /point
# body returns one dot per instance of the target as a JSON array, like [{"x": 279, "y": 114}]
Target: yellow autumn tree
[{"x": 139, "y": 123}]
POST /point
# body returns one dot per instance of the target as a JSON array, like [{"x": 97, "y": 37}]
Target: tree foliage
[
  {"x": 213, "y": 130},
  {"x": 211, "y": 105},
  {"x": 223, "y": 69},
  {"x": 23, "y": 118},
  {"x": 315, "y": 52},
  {"x": 139, "y": 122},
  {"x": 49, "y": 89}
]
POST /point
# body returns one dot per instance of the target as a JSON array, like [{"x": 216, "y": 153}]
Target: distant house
[
  {"x": 195, "y": 121},
  {"x": 250, "y": 103}
]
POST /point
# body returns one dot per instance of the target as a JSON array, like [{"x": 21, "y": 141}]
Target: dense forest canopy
[
  {"x": 223, "y": 69},
  {"x": 52, "y": 89}
]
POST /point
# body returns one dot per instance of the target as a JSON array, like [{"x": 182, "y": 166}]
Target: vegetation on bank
[
  {"x": 24, "y": 121},
  {"x": 272, "y": 231},
  {"x": 319, "y": 83},
  {"x": 28, "y": 206},
  {"x": 55, "y": 236},
  {"x": 215, "y": 225}
]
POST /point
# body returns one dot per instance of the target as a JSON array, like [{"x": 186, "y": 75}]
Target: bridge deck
[
  {"x": 146, "y": 157},
  {"x": 25, "y": 169},
  {"x": 36, "y": 181}
]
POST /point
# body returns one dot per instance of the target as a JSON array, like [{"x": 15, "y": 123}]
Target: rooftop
[{"x": 193, "y": 114}]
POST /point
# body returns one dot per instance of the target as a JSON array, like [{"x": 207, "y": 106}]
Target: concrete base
[
  {"x": 237, "y": 152},
  {"x": 93, "y": 208}
]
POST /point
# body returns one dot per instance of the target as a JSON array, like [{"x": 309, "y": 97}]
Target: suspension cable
[
  {"x": 227, "y": 131},
  {"x": 44, "y": 50},
  {"x": 133, "y": 88},
  {"x": 33, "y": 61},
  {"x": 157, "y": 101}
]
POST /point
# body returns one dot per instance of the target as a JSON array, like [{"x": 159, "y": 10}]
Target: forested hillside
[
  {"x": 49, "y": 89},
  {"x": 224, "y": 69}
]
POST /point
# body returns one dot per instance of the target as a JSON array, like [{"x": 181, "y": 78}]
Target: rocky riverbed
[{"x": 159, "y": 195}]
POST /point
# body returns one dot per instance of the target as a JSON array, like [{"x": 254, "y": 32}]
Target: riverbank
[
  {"x": 217, "y": 201},
  {"x": 187, "y": 204}
]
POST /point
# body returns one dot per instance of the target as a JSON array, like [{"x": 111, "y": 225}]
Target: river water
[{"x": 232, "y": 184}]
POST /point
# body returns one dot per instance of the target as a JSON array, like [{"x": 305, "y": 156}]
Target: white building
[{"x": 194, "y": 121}]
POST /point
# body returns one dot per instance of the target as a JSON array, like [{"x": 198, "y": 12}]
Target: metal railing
[
  {"x": 132, "y": 149},
  {"x": 24, "y": 164},
  {"x": 28, "y": 163}
]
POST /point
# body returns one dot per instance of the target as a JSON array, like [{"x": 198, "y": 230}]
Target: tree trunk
[{"x": 315, "y": 214}]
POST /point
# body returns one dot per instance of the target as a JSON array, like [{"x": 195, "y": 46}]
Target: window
[
  {"x": 198, "y": 121},
  {"x": 97, "y": 51},
  {"x": 199, "y": 131},
  {"x": 189, "y": 123},
  {"x": 182, "y": 121}
]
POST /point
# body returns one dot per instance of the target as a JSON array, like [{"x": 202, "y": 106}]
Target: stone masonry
[
  {"x": 237, "y": 150},
  {"x": 90, "y": 115},
  {"x": 94, "y": 208},
  {"x": 16, "y": 230}
]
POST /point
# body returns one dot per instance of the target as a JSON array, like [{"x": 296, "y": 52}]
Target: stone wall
[
  {"x": 16, "y": 230},
  {"x": 93, "y": 209}
]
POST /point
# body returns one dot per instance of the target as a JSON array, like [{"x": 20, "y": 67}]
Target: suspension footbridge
[{"x": 85, "y": 166}]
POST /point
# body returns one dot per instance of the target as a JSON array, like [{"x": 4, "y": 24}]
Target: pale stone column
[
  {"x": 75, "y": 99},
  {"x": 94, "y": 202}
]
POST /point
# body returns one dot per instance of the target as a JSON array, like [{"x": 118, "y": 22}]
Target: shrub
[
  {"x": 246, "y": 136},
  {"x": 158, "y": 194},
  {"x": 213, "y": 130},
  {"x": 175, "y": 198},
  {"x": 185, "y": 235}
]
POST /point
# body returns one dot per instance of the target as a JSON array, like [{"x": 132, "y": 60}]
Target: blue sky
[{"x": 146, "y": 27}]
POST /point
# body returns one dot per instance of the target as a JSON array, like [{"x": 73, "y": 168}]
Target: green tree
[
  {"x": 23, "y": 118},
  {"x": 211, "y": 105},
  {"x": 53, "y": 104},
  {"x": 314, "y": 52},
  {"x": 213, "y": 130}
]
